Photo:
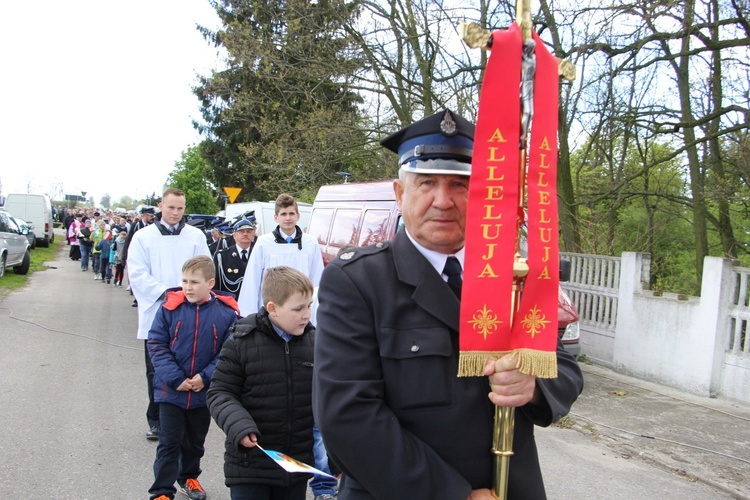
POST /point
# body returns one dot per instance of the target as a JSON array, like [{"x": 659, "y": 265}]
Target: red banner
[
  {"x": 489, "y": 327},
  {"x": 535, "y": 327}
]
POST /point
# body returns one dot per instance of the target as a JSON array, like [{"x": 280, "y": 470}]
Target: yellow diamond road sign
[{"x": 233, "y": 193}]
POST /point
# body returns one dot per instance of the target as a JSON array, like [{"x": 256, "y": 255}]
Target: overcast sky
[{"x": 96, "y": 95}]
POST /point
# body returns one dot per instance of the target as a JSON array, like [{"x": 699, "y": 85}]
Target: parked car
[
  {"x": 568, "y": 328},
  {"x": 364, "y": 213},
  {"x": 27, "y": 230},
  {"x": 14, "y": 247}
]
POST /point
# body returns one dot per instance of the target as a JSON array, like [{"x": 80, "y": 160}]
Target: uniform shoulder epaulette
[
  {"x": 359, "y": 252},
  {"x": 224, "y": 250}
]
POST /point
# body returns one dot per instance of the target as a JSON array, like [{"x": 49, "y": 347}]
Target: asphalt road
[{"x": 73, "y": 400}]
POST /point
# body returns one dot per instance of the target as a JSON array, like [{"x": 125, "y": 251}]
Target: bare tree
[
  {"x": 678, "y": 56},
  {"x": 415, "y": 62}
]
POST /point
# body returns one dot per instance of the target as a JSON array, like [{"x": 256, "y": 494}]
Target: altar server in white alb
[
  {"x": 155, "y": 258},
  {"x": 286, "y": 245}
]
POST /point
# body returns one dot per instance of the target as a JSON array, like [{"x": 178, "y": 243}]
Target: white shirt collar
[
  {"x": 294, "y": 233},
  {"x": 437, "y": 259}
]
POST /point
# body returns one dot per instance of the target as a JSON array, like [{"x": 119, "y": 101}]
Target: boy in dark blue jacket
[{"x": 184, "y": 344}]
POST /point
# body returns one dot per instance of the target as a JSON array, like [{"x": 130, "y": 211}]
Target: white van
[
  {"x": 354, "y": 213},
  {"x": 37, "y": 211},
  {"x": 264, "y": 212}
]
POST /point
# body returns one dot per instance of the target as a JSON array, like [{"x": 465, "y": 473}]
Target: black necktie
[
  {"x": 452, "y": 269},
  {"x": 244, "y": 256}
]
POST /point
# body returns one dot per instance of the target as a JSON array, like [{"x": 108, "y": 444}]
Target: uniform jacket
[
  {"x": 185, "y": 339},
  {"x": 216, "y": 246},
  {"x": 155, "y": 260},
  {"x": 263, "y": 384},
  {"x": 393, "y": 414},
  {"x": 230, "y": 269}
]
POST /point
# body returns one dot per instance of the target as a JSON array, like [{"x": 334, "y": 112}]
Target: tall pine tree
[{"x": 281, "y": 117}]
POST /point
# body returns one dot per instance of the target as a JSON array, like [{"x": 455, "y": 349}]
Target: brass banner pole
[
  {"x": 502, "y": 437},
  {"x": 476, "y": 37},
  {"x": 502, "y": 445}
]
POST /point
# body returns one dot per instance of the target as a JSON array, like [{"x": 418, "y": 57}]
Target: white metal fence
[
  {"x": 593, "y": 287},
  {"x": 739, "y": 314},
  {"x": 696, "y": 343}
]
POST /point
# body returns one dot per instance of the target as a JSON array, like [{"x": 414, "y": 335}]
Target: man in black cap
[
  {"x": 231, "y": 262},
  {"x": 221, "y": 236},
  {"x": 214, "y": 240},
  {"x": 147, "y": 218},
  {"x": 394, "y": 415}
]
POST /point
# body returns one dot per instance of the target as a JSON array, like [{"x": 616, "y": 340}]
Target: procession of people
[{"x": 373, "y": 404}]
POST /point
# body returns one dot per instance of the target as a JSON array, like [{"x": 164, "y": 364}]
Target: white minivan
[{"x": 36, "y": 210}]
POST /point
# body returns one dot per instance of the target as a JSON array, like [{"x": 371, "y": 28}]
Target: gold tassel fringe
[{"x": 541, "y": 364}]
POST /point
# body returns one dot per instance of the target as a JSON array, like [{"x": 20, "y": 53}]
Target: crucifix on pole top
[
  {"x": 477, "y": 37},
  {"x": 515, "y": 153}
]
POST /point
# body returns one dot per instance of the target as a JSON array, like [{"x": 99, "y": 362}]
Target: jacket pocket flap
[{"x": 415, "y": 342}]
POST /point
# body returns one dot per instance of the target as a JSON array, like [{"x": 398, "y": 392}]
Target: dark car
[{"x": 27, "y": 230}]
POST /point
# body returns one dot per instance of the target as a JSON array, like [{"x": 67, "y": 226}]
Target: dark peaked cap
[
  {"x": 438, "y": 144},
  {"x": 244, "y": 223}
]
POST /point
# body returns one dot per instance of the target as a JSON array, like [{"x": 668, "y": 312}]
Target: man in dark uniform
[
  {"x": 231, "y": 262},
  {"x": 214, "y": 239},
  {"x": 221, "y": 237},
  {"x": 393, "y": 413},
  {"x": 147, "y": 217}
]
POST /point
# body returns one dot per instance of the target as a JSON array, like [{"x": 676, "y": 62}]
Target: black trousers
[
  {"x": 119, "y": 271},
  {"x": 152, "y": 412},
  {"x": 178, "y": 455}
]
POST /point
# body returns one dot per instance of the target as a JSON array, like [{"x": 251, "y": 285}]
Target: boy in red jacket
[{"x": 184, "y": 344}]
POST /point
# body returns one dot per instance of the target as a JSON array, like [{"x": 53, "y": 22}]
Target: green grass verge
[{"x": 12, "y": 281}]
